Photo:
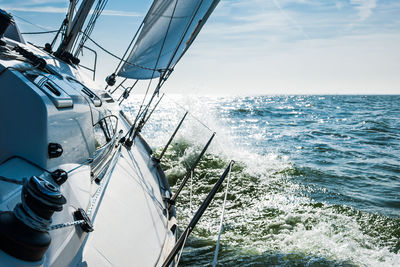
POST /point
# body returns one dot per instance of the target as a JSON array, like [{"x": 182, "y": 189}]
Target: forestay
[{"x": 169, "y": 29}]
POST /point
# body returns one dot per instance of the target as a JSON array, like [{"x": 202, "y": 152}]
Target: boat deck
[{"x": 131, "y": 224}]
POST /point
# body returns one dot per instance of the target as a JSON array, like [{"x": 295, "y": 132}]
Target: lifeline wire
[
  {"x": 194, "y": 117},
  {"x": 27, "y": 21},
  {"x": 93, "y": 41},
  {"x": 201, "y": 122},
  {"x": 114, "y": 55},
  {"x": 214, "y": 263},
  {"x": 180, "y": 253},
  {"x": 54, "y": 31},
  {"x": 10, "y": 180}
]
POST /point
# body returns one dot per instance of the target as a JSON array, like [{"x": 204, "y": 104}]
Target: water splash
[{"x": 282, "y": 210}]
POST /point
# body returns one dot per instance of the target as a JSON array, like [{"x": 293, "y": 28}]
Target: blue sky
[{"x": 260, "y": 46}]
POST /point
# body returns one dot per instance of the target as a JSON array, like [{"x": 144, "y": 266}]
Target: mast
[
  {"x": 77, "y": 24},
  {"x": 70, "y": 14}
]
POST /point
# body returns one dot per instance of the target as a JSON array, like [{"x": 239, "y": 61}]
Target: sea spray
[{"x": 292, "y": 198}]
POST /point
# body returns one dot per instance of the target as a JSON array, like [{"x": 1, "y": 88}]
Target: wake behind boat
[{"x": 78, "y": 183}]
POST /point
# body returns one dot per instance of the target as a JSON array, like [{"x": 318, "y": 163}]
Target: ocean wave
[
  {"x": 312, "y": 185},
  {"x": 270, "y": 215}
]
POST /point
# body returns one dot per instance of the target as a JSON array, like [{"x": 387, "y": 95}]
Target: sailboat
[{"x": 79, "y": 185}]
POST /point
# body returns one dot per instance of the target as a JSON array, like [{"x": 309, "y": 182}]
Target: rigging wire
[
  {"x": 90, "y": 26},
  {"x": 126, "y": 92},
  {"x": 94, "y": 42},
  {"x": 191, "y": 115},
  {"x": 164, "y": 76},
  {"x": 182, "y": 38},
  {"x": 27, "y": 21},
  {"x": 60, "y": 30},
  {"x": 158, "y": 57},
  {"x": 117, "y": 57},
  {"x": 129, "y": 46},
  {"x": 134, "y": 37},
  {"x": 217, "y": 141},
  {"x": 45, "y": 32},
  {"x": 144, "y": 112}
]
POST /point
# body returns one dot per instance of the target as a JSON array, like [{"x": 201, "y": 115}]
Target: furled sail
[{"x": 169, "y": 28}]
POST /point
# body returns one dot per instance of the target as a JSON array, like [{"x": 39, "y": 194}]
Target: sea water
[{"x": 316, "y": 180}]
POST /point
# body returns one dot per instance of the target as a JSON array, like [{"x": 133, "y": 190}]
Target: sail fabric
[{"x": 169, "y": 24}]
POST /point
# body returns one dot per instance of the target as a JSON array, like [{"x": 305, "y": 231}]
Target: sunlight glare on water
[{"x": 316, "y": 180}]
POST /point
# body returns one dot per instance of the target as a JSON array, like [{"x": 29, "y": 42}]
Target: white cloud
[
  {"x": 364, "y": 7},
  {"x": 46, "y": 9},
  {"x": 339, "y": 5},
  {"x": 63, "y": 10},
  {"x": 120, "y": 13},
  {"x": 353, "y": 64},
  {"x": 295, "y": 23}
]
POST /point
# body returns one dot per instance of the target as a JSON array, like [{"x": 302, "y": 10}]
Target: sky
[{"x": 256, "y": 46}]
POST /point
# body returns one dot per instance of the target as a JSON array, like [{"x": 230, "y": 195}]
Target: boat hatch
[
  {"x": 53, "y": 91},
  {"x": 106, "y": 97},
  {"x": 79, "y": 86}
]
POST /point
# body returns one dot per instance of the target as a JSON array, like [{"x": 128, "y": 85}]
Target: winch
[{"x": 24, "y": 231}]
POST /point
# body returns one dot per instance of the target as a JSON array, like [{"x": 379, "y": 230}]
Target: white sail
[{"x": 168, "y": 30}]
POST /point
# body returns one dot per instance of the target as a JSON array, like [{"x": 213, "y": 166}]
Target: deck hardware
[
  {"x": 128, "y": 143},
  {"x": 196, "y": 217},
  {"x": 115, "y": 89},
  {"x": 87, "y": 226},
  {"x": 127, "y": 91},
  {"x": 188, "y": 174},
  {"x": 67, "y": 57},
  {"x": 37, "y": 61},
  {"x": 52, "y": 88},
  {"x": 110, "y": 80},
  {"x": 55, "y": 150},
  {"x": 59, "y": 176},
  {"x": 24, "y": 231},
  {"x": 125, "y": 95},
  {"x": 173, "y": 228}
]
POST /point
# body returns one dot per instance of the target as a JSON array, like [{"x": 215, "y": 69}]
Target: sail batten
[{"x": 168, "y": 30}]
